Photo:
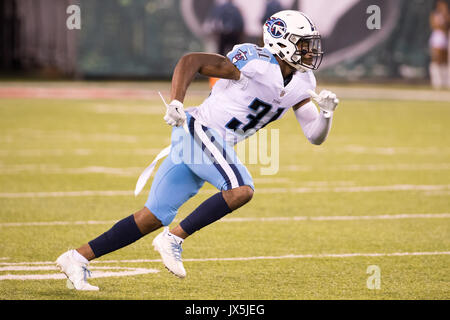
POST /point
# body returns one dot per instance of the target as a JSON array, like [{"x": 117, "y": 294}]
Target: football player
[{"x": 257, "y": 85}]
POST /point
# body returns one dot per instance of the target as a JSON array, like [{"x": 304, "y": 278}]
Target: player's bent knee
[
  {"x": 246, "y": 194},
  {"x": 146, "y": 221},
  {"x": 237, "y": 197}
]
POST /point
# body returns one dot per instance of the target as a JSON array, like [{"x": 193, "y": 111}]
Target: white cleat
[
  {"x": 170, "y": 251},
  {"x": 75, "y": 271}
]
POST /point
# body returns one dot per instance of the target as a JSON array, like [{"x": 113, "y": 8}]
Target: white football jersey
[{"x": 238, "y": 108}]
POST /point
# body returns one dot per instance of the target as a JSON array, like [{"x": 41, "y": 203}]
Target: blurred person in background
[
  {"x": 272, "y": 7},
  {"x": 226, "y": 25},
  {"x": 440, "y": 24}
]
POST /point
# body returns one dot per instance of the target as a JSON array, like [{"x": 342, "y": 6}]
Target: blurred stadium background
[
  {"x": 80, "y": 118},
  {"x": 145, "y": 38}
]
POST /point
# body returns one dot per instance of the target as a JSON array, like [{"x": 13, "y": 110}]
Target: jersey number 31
[{"x": 261, "y": 109}]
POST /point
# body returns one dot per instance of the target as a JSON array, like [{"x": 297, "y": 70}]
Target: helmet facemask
[{"x": 308, "y": 52}]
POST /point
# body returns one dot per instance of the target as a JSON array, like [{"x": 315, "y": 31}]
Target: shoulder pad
[{"x": 244, "y": 53}]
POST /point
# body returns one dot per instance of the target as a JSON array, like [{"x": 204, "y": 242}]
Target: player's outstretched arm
[
  {"x": 316, "y": 125},
  {"x": 207, "y": 64}
]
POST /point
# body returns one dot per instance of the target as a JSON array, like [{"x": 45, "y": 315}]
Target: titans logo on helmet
[{"x": 276, "y": 27}]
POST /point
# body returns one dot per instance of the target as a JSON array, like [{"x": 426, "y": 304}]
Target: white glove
[
  {"x": 326, "y": 100},
  {"x": 175, "y": 115}
]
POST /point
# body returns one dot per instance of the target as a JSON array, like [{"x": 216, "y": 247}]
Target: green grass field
[{"x": 377, "y": 192}]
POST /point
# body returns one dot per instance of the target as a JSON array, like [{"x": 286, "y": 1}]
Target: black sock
[
  {"x": 120, "y": 235},
  {"x": 209, "y": 211}
]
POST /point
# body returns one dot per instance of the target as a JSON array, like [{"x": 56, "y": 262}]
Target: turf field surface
[{"x": 376, "y": 193}]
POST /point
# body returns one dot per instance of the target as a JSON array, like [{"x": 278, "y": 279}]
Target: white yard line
[
  {"x": 428, "y": 151},
  {"x": 76, "y": 152},
  {"x": 288, "y": 256},
  {"x": 250, "y": 219},
  {"x": 394, "y": 167},
  {"x": 373, "y": 167},
  {"x": 98, "y": 272},
  {"x": 63, "y": 194},
  {"x": 68, "y": 136},
  {"x": 341, "y": 218},
  {"x": 124, "y": 171},
  {"x": 55, "y": 169},
  {"x": 421, "y": 151},
  {"x": 113, "y": 193},
  {"x": 118, "y": 271},
  {"x": 54, "y": 223},
  {"x": 135, "y": 171},
  {"x": 325, "y": 255},
  {"x": 397, "y": 187}
]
